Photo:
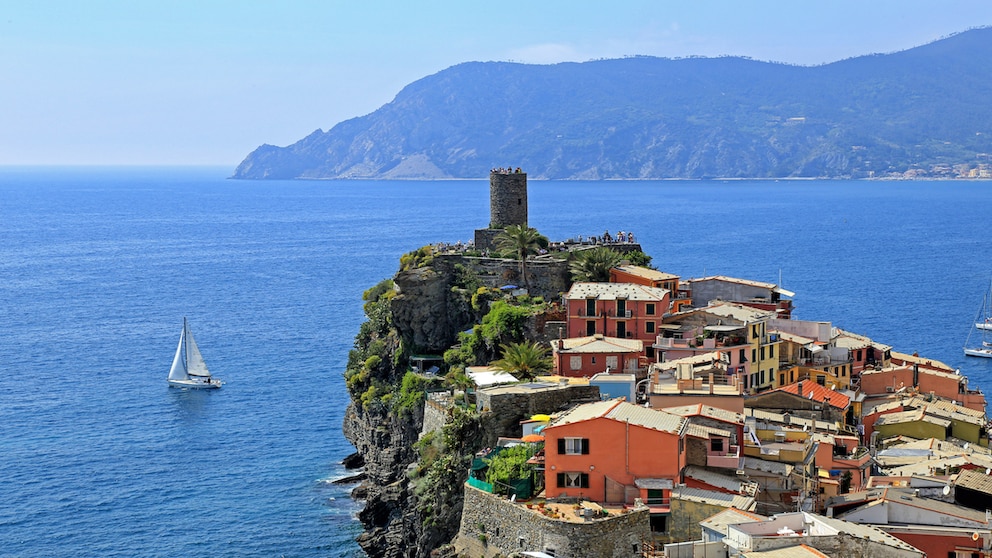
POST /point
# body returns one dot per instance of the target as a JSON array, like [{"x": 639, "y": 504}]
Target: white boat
[
  {"x": 981, "y": 346},
  {"x": 188, "y": 368}
]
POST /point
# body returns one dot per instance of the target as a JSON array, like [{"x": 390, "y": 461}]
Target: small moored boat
[
  {"x": 981, "y": 331},
  {"x": 188, "y": 368}
]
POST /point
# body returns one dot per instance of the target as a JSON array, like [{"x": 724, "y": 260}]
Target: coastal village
[{"x": 699, "y": 418}]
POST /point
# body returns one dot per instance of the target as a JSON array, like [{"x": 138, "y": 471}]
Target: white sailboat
[
  {"x": 188, "y": 368},
  {"x": 982, "y": 330}
]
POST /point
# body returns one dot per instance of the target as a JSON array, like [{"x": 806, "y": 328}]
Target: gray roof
[
  {"x": 731, "y": 516},
  {"x": 614, "y": 291},
  {"x": 975, "y": 480},
  {"x": 714, "y": 498}
]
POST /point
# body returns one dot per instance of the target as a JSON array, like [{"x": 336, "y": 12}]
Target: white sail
[
  {"x": 195, "y": 366},
  {"x": 982, "y": 330},
  {"x": 178, "y": 370}
]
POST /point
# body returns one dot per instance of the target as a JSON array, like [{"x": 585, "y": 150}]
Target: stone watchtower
[{"x": 507, "y": 205}]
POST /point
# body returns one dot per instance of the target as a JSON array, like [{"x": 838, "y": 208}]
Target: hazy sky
[{"x": 205, "y": 82}]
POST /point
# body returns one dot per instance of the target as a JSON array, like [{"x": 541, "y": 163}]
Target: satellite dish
[
  {"x": 946, "y": 490},
  {"x": 987, "y": 470}
]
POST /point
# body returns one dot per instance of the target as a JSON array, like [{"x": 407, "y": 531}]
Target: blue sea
[{"x": 98, "y": 267}]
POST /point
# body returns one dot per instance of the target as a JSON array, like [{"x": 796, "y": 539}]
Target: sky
[{"x": 205, "y": 82}]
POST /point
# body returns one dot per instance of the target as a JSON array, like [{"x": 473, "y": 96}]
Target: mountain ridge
[{"x": 643, "y": 117}]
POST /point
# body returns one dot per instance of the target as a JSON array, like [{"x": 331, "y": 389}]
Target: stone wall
[
  {"x": 507, "y": 527},
  {"x": 548, "y": 277},
  {"x": 435, "y": 412},
  {"x": 686, "y": 515},
  {"x": 507, "y": 406}
]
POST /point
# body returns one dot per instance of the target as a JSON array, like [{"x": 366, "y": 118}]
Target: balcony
[
  {"x": 583, "y": 313},
  {"x": 729, "y": 460}
]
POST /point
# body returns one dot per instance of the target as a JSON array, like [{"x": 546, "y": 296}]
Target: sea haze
[{"x": 99, "y": 266}]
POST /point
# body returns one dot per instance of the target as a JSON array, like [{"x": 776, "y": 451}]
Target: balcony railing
[{"x": 730, "y": 460}]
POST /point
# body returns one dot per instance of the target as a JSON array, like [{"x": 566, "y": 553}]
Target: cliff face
[
  {"x": 414, "y": 488},
  {"x": 426, "y": 311}
]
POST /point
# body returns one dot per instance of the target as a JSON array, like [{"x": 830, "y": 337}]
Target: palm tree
[
  {"x": 524, "y": 360},
  {"x": 524, "y": 241},
  {"x": 594, "y": 264},
  {"x": 459, "y": 380}
]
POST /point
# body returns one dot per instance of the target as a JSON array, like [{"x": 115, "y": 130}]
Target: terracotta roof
[
  {"x": 646, "y": 272},
  {"x": 701, "y": 410},
  {"x": 820, "y": 393}
]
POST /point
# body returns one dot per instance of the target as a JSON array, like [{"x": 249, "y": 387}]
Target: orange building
[
  {"x": 586, "y": 356},
  {"x": 946, "y": 384},
  {"x": 614, "y": 451},
  {"x": 652, "y": 278}
]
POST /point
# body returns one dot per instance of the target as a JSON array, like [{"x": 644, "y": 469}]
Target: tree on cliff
[
  {"x": 594, "y": 264},
  {"x": 524, "y": 241},
  {"x": 524, "y": 360}
]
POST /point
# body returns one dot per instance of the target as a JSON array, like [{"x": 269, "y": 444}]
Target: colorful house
[
  {"x": 585, "y": 356},
  {"x": 756, "y": 294},
  {"x": 624, "y": 310},
  {"x": 613, "y": 452},
  {"x": 652, "y": 278},
  {"x": 807, "y": 399},
  {"x": 942, "y": 383}
]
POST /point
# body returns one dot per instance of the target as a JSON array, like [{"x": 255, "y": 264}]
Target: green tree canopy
[
  {"x": 524, "y": 241},
  {"x": 594, "y": 264},
  {"x": 524, "y": 360}
]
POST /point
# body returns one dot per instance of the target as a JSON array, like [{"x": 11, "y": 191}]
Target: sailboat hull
[
  {"x": 986, "y": 353},
  {"x": 195, "y": 384}
]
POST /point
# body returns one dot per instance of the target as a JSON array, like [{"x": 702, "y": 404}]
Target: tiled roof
[
  {"x": 920, "y": 360},
  {"x": 775, "y": 467},
  {"x": 797, "y": 551},
  {"x": 913, "y": 415},
  {"x": 718, "y": 480},
  {"x": 820, "y": 393},
  {"x": 975, "y": 480},
  {"x": 737, "y": 311},
  {"x": 731, "y": 516},
  {"x": 850, "y": 340},
  {"x": 599, "y": 344},
  {"x": 646, "y": 272},
  {"x": 614, "y": 291},
  {"x": 700, "y": 431},
  {"x": 725, "y": 279},
  {"x": 714, "y": 498},
  {"x": 621, "y": 411},
  {"x": 707, "y": 411}
]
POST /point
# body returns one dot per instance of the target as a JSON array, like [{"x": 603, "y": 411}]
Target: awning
[
  {"x": 724, "y": 328},
  {"x": 654, "y": 484}
]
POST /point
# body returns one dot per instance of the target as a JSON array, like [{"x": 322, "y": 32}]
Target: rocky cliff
[{"x": 414, "y": 486}]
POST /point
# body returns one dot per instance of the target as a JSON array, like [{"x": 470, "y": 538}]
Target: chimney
[{"x": 800, "y": 387}]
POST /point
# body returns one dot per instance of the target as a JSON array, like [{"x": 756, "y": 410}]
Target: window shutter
[
  {"x": 561, "y": 480},
  {"x": 561, "y": 446},
  {"x": 584, "y": 480},
  {"x": 585, "y": 446}
]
